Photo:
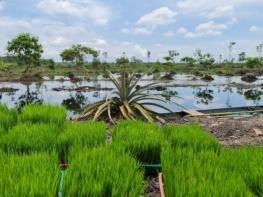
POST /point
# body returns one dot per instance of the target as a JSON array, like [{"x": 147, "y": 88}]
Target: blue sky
[{"x": 135, "y": 26}]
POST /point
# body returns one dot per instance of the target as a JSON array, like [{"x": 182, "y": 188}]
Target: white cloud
[
  {"x": 254, "y": 29},
  {"x": 205, "y": 29},
  {"x": 125, "y": 30},
  {"x": 197, "y": 6},
  {"x": 91, "y": 9},
  {"x": 220, "y": 11},
  {"x": 169, "y": 34},
  {"x": 160, "y": 16},
  {"x": 142, "y": 31},
  {"x": 99, "y": 41}
]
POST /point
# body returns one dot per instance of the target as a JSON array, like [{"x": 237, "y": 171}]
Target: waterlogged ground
[{"x": 188, "y": 91}]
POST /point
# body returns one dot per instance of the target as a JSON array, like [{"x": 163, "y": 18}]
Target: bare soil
[{"x": 230, "y": 131}]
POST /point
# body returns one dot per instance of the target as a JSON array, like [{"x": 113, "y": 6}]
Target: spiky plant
[{"x": 129, "y": 101}]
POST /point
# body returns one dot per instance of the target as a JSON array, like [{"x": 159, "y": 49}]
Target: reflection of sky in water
[{"x": 212, "y": 95}]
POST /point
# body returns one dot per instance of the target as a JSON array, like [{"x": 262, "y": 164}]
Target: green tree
[
  {"x": 189, "y": 60},
  {"x": 253, "y": 62},
  {"x": 122, "y": 60},
  {"x": 26, "y": 49},
  {"x": 242, "y": 56},
  {"x": 77, "y": 54},
  {"x": 204, "y": 59}
]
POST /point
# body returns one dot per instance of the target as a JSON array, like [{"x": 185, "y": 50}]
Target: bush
[
  {"x": 188, "y": 173},
  {"x": 143, "y": 140},
  {"x": 43, "y": 114},
  {"x": 26, "y": 138},
  {"x": 8, "y": 117},
  {"x": 103, "y": 172},
  {"x": 253, "y": 62},
  {"x": 191, "y": 136},
  {"x": 29, "y": 175},
  {"x": 88, "y": 134}
]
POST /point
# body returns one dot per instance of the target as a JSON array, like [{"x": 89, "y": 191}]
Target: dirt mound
[{"x": 250, "y": 78}]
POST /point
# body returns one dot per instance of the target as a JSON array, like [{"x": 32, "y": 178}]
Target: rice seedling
[
  {"x": 143, "y": 140},
  {"x": 103, "y": 172},
  {"x": 83, "y": 134},
  {"x": 247, "y": 162},
  {"x": 48, "y": 114},
  {"x": 193, "y": 136},
  {"x": 29, "y": 175},
  {"x": 2, "y": 131},
  {"x": 8, "y": 117},
  {"x": 191, "y": 173},
  {"x": 26, "y": 138}
]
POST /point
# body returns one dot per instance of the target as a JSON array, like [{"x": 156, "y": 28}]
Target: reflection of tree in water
[
  {"x": 29, "y": 97},
  {"x": 169, "y": 94},
  {"x": 204, "y": 96},
  {"x": 75, "y": 102},
  {"x": 251, "y": 94},
  {"x": 228, "y": 89}
]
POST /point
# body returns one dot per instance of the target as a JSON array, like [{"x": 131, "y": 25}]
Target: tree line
[{"x": 25, "y": 49}]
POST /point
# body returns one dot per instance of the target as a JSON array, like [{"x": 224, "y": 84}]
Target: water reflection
[
  {"x": 204, "y": 96},
  {"x": 75, "y": 102},
  {"x": 29, "y": 97}
]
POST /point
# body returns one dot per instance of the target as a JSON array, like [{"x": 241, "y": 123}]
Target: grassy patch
[
  {"x": 29, "y": 175},
  {"x": 247, "y": 162},
  {"x": 43, "y": 114},
  {"x": 188, "y": 173},
  {"x": 191, "y": 136},
  {"x": 8, "y": 117},
  {"x": 143, "y": 140},
  {"x": 26, "y": 138},
  {"x": 103, "y": 172},
  {"x": 83, "y": 134}
]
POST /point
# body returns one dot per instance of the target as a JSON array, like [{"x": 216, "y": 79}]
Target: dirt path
[{"x": 230, "y": 131}]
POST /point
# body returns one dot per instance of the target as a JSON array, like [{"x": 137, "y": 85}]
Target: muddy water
[{"x": 185, "y": 90}]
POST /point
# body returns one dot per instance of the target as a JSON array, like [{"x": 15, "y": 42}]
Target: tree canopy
[
  {"x": 77, "y": 54},
  {"x": 26, "y": 49}
]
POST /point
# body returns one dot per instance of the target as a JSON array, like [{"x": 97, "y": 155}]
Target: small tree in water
[{"x": 26, "y": 49}]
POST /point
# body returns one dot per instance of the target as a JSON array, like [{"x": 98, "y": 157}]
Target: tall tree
[
  {"x": 148, "y": 56},
  {"x": 230, "y": 47},
  {"x": 26, "y": 49},
  {"x": 259, "y": 50},
  {"x": 105, "y": 56},
  {"x": 242, "y": 56}
]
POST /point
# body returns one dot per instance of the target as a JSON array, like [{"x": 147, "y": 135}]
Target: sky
[{"x": 136, "y": 26}]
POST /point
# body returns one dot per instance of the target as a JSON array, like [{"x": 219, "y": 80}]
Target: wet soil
[
  {"x": 230, "y": 131},
  {"x": 153, "y": 189}
]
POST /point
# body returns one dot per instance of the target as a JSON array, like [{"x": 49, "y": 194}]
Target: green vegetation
[
  {"x": 187, "y": 173},
  {"x": 28, "y": 175},
  {"x": 247, "y": 162},
  {"x": 77, "y": 54},
  {"x": 103, "y": 172},
  {"x": 27, "y": 138},
  {"x": 26, "y": 50},
  {"x": 143, "y": 140},
  {"x": 192, "y": 136},
  {"x": 47, "y": 114},
  {"x": 8, "y": 117},
  {"x": 2, "y": 131},
  {"x": 81, "y": 135},
  {"x": 128, "y": 102}
]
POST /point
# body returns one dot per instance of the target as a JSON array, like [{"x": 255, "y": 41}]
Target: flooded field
[{"x": 188, "y": 91}]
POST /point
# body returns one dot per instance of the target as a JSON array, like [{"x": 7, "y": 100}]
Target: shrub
[
  {"x": 44, "y": 114},
  {"x": 26, "y": 138},
  {"x": 143, "y": 140},
  {"x": 103, "y": 172},
  {"x": 188, "y": 173},
  {"x": 8, "y": 117},
  {"x": 191, "y": 136},
  {"x": 29, "y": 175},
  {"x": 247, "y": 162},
  {"x": 88, "y": 134}
]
